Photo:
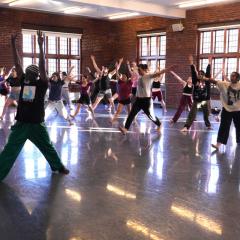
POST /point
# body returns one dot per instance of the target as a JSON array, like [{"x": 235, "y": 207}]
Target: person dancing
[
  {"x": 186, "y": 99},
  {"x": 124, "y": 92},
  {"x": 201, "y": 95},
  {"x": 230, "y": 99},
  {"x": 30, "y": 115},
  {"x": 143, "y": 100}
]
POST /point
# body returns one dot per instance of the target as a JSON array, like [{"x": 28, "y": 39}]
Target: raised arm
[
  {"x": 129, "y": 67},
  {"x": 208, "y": 70},
  {"x": 95, "y": 64},
  {"x": 16, "y": 58},
  {"x": 193, "y": 70},
  {"x": 158, "y": 74},
  {"x": 42, "y": 68},
  {"x": 178, "y": 77},
  {"x": 217, "y": 74}
]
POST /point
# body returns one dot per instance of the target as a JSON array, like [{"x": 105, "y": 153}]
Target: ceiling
[{"x": 104, "y": 8}]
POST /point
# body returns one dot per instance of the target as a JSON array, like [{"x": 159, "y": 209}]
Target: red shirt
[{"x": 124, "y": 89}]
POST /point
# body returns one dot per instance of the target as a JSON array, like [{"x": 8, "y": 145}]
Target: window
[
  {"x": 61, "y": 50},
  {"x": 152, "y": 50},
  {"x": 222, "y": 45}
]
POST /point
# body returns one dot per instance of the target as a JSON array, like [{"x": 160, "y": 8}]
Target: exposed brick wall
[
  {"x": 97, "y": 37},
  {"x": 179, "y": 44},
  {"x": 110, "y": 40}
]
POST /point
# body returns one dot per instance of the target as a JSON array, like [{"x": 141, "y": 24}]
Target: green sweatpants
[{"x": 37, "y": 134}]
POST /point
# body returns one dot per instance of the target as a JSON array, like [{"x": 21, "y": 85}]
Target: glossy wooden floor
[{"x": 137, "y": 187}]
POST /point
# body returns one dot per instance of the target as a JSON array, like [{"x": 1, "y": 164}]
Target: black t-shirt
[
  {"x": 187, "y": 89},
  {"x": 55, "y": 93},
  {"x": 14, "y": 82},
  {"x": 31, "y": 101},
  {"x": 104, "y": 83},
  {"x": 156, "y": 84}
]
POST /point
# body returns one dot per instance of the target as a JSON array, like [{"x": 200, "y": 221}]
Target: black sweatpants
[
  {"x": 224, "y": 129},
  {"x": 141, "y": 104}
]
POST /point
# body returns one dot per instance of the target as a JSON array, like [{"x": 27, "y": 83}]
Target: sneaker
[
  {"x": 123, "y": 130},
  {"x": 63, "y": 170}
]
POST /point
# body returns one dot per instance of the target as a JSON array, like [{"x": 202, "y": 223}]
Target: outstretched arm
[
  {"x": 16, "y": 58},
  {"x": 95, "y": 64},
  {"x": 178, "y": 77},
  {"x": 42, "y": 68},
  {"x": 208, "y": 70},
  {"x": 158, "y": 74}
]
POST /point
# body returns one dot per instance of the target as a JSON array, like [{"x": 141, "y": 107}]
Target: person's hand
[
  {"x": 128, "y": 63},
  {"x": 92, "y": 57},
  {"x": 40, "y": 37},
  {"x": 121, "y": 60},
  {"x": 88, "y": 69},
  {"x": 209, "y": 60},
  {"x": 190, "y": 58}
]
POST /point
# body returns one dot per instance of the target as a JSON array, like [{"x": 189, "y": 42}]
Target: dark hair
[
  {"x": 64, "y": 73},
  {"x": 56, "y": 74},
  {"x": 143, "y": 66},
  {"x": 237, "y": 75}
]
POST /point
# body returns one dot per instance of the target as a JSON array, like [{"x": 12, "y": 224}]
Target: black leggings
[
  {"x": 141, "y": 104},
  {"x": 224, "y": 129}
]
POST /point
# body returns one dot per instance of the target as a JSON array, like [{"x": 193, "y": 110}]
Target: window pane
[
  {"x": 162, "y": 65},
  {"x": 203, "y": 64},
  {"x": 143, "y": 61},
  {"x": 152, "y": 65},
  {"x": 75, "y": 71},
  {"x": 218, "y": 65},
  {"x": 52, "y": 66},
  {"x": 74, "y": 46},
  {"x": 63, "y": 45},
  {"x": 219, "y": 44},
  {"x": 153, "y": 46},
  {"x": 63, "y": 65},
  {"x": 206, "y": 41},
  {"x": 52, "y": 48},
  {"x": 27, "y": 43},
  {"x": 162, "y": 45},
  {"x": 231, "y": 66},
  {"x": 144, "y": 47},
  {"x": 233, "y": 40},
  {"x": 26, "y": 62}
]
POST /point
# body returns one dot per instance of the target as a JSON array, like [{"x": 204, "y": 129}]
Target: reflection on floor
[{"x": 139, "y": 186}]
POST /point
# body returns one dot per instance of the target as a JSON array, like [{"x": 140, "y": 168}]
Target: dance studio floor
[{"x": 136, "y": 187}]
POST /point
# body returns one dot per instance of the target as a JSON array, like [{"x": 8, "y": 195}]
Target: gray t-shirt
[{"x": 144, "y": 87}]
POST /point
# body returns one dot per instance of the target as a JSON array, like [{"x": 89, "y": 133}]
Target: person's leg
[
  {"x": 119, "y": 110},
  {"x": 236, "y": 120},
  {"x": 223, "y": 132},
  {"x": 189, "y": 102},
  {"x": 97, "y": 101},
  {"x": 6, "y": 105},
  {"x": 180, "y": 109},
  {"x": 77, "y": 110},
  {"x": 191, "y": 117},
  {"x": 111, "y": 101},
  {"x": 42, "y": 141},
  {"x": 91, "y": 110},
  {"x": 49, "y": 108},
  {"x": 18, "y": 136},
  {"x": 134, "y": 111},
  {"x": 115, "y": 96},
  {"x": 146, "y": 105},
  {"x": 205, "y": 109},
  {"x": 128, "y": 106},
  {"x": 65, "y": 95},
  {"x": 61, "y": 109}
]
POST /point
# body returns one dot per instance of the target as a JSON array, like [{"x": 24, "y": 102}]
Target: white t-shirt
[
  {"x": 144, "y": 86},
  {"x": 229, "y": 95}
]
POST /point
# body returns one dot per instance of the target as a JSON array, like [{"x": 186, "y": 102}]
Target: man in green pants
[{"x": 30, "y": 115}]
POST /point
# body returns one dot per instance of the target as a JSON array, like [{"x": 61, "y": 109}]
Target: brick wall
[
  {"x": 97, "y": 37},
  {"x": 179, "y": 44},
  {"x": 110, "y": 40}
]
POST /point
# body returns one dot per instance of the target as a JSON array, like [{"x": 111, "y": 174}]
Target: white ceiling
[{"x": 103, "y": 8}]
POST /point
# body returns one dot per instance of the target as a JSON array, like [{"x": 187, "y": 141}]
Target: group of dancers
[{"x": 135, "y": 89}]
